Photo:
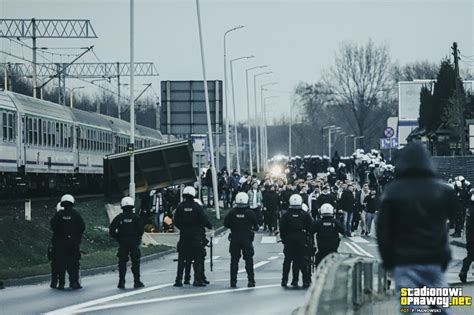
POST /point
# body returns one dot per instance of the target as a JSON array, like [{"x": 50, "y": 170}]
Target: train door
[
  {"x": 76, "y": 146},
  {"x": 20, "y": 139}
]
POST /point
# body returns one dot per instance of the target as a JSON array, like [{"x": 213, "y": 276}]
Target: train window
[
  {"x": 35, "y": 131},
  {"x": 4, "y": 126},
  {"x": 40, "y": 132},
  {"x": 71, "y": 133},
  {"x": 61, "y": 136},
  {"x": 45, "y": 133},
  {"x": 29, "y": 128}
]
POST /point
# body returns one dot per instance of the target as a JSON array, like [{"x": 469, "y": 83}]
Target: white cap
[
  {"x": 68, "y": 198},
  {"x": 127, "y": 202},
  {"x": 189, "y": 190},
  {"x": 198, "y": 201}
]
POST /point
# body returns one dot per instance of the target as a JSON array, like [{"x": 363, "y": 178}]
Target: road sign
[
  {"x": 199, "y": 142},
  {"x": 388, "y": 143},
  {"x": 389, "y": 132},
  {"x": 183, "y": 107}
]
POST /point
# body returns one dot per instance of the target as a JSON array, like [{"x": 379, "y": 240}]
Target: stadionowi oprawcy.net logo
[{"x": 419, "y": 300}]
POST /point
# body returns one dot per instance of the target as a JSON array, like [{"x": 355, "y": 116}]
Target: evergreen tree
[{"x": 426, "y": 119}]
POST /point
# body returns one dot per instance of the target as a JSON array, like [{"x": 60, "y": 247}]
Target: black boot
[
  {"x": 138, "y": 284},
  {"x": 121, "y": 284},
  {"x": 122, "y": 273},
  {"x": 136, "y": 274},
  {"x": 463, "y": 276}
]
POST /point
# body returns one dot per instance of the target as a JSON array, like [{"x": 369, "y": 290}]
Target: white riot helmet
[
  {"x": 296, "y": 201},
  {"x": 198, "y": 201},
  {"x": 59, "y": 207},
  {"x": 458, "y": 184},
  {"x": 242, "y": 200},
  {"x": 461, "y": 178},
  {"x": 305, "y": 207},
  {"x": 127, "y": 202},
  {"x": 189, "y": 190},
  {"x": 67, "y": 198},
  {"x": 331, "y": 170},
  {"x": 327, "y": 210}
]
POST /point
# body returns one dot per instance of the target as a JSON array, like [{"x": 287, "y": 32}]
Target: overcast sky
[{"x": 296, "y": 38}]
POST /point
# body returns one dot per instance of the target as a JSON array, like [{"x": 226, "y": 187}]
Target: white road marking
[
  {"x": 214, "y": 258},
  {"x": 74, "y": 308},
  {"x": 269, "y": 240},
  {"x": 273, "y": 258},
  {"x": 353, "y": 249},
  {"x": 255, "y": 266},
  {"x": 365, "y": 253},
  {"x": 358, "y": 239},
  {"x": 172, "y": 298},
  {"x": 373, "y": 245}
]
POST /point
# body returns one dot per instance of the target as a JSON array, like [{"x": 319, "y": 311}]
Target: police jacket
[
  {"x": 414, "y": 208},
  {"x": 470, "y": 223},
  {"x": 190, "y": 219},
  {"x": 241, "y": 222},
  {"x": 295, "y": 225},
  {"x": 327, "y": 233},
  {"x": 68, "y": 227},
  {"x": 127, "y": 227}
]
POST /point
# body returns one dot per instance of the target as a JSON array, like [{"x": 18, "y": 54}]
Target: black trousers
[
  {"x": 295, "y": 255},
  {"x": 189, "y": 251},
  {"x": 459, "y": 218},
  {"x": 125, "y": 251},
  {"x": 466, "y": 263},
  {"x": 68, "y": 257},
  {"x": 244, "y": 248}
]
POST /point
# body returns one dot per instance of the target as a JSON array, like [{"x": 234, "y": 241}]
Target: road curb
[{"x": 92, "y": 271}]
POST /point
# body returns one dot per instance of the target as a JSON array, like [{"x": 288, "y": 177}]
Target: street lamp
[
  {"x": 264, "y": 133},
  {"x": 338, "y": 132},
  {"x": 233, "y": 106},
  {"x": 345, "y": 143},
  {"x": 226, "y": 105},
  {"x": 71, "y": 92},
  {"x": 355, "y": 141},
  {"x": 257, "y": 144},
  {"x": 262, "y": 88},
  {"x": 331, "y": 127}
]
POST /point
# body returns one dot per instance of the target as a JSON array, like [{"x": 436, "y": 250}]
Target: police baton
[{"x": 211, "y": 246}]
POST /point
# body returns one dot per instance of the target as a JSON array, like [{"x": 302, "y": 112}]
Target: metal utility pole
[
  {"x": 262, "y": 123},
  {"x": 208, "y": 113},
  {"x": 345, "y": 143},
  {"x": 265, "y": 130},
  {"x": 44, "y": 28},
  {"x": 226, "y": 105},
  {"x": 71, "y": 95},
  {"x": 132, "y": 101},
  {"x": 459, "y": 102},
  {"x": 355, "y": 141}
]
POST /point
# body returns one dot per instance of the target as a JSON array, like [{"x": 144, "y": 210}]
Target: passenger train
[{"x": 46, "y": 147}]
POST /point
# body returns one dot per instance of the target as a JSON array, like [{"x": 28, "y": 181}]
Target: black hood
[{"x": 414, "y": 161}]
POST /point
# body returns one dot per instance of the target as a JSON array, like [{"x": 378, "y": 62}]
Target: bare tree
[
  {"x": 415, "y": 70},
  {"x": 360, "y": 82}
]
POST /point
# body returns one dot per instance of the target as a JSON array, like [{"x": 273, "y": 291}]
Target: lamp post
[
  {"x": 263, "y": 135},
  {"x": 132, "y": 102},
  {"x": 257, "y": 140},
  {"x": 331, "y": 127},
  {"x": 71, "y": 95},
  {"x": 338, "y": 132},
  {"x": 355, "y": 141},
  {"x": 236, "y": 141},
  {"x": 345, "y": 143},
  {"x": 226, "y": 105}
]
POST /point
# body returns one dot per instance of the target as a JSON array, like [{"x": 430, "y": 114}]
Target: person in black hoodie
[
  {"x": 348, "y": 203},
  {"x": 412, "y": 233},
  {"x": 271, "y": 203},
  {"x": 466, "y": 263}
]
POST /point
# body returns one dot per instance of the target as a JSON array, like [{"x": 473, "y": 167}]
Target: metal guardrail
[{"x": 343, "y": 283}]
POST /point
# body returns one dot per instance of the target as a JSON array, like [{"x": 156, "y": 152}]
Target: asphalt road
[{"x": 100, "y": 295}]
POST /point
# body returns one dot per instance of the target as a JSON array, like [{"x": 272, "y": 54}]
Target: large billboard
[
  {"x": 183, "y": 107},
  {"x": 409, "y": 99}
]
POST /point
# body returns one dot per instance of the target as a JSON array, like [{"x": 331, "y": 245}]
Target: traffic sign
[
  {"x": 199, "y": 142},
  {"x": 388, "y": 143},
  {"x": 389, "y": 132}
]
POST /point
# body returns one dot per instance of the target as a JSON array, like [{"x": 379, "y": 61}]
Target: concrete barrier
[{"x": 343, "y": 283}]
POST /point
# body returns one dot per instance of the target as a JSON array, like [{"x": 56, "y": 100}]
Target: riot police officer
[
  {"x": 295, "y": 226},
  {"x": 466, "y": 263},
  {"x": 127, "y": 228},
  {"x": 68, "y": 227},
  {"x": 327, "y": 232},
  {"x": 242, "y": 222},
  {"x": 53, "y": 259},
  {"x": 191, "y": 220}
]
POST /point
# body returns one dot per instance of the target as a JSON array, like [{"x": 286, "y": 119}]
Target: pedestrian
[
  {"x": 190, "y": 219},
  {"x": 466, "y": 263},
  {"x": 325, "y": 197},
  {"x": 271, "y": 204},
  {"x": 255, "y": 201},
  {"x": 127, "y": 229},
  {"x": 295, "y": 226},
  {"x": 52, "y": 256},
  {"x": 209, "y": 187},
  {"x": 68, "y": 228},
  {"x": 327, "y": 232},
  {"x": 347, "y": 204},
  {"x": 371, "y": 202},
  {"x": 411, "y": 228},
  {"x": 242, "y": 222}
]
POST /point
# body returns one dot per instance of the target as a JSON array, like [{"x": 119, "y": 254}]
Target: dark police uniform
[
  {"x": 466, "y": 263},
  {"x": 295, "y": 226},
  {"x": 327, "y": 236},
  {"x": 127, "y": 228},
  {"x": 68, "y": 227},
  {"x": 190, "y": 219},
  {"x": 241, "y": 222}
]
